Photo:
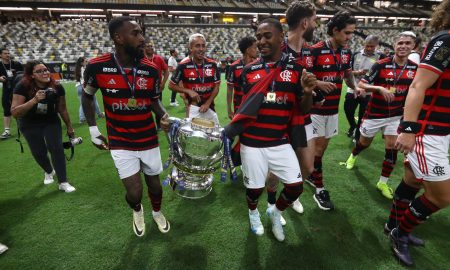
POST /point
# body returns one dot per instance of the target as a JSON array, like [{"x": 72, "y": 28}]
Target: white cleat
[
  {"x": 48, "y": 178},
  {"x": 139, "y": 222},
  {"x": 66, "y": 187},
  {"x": 282, "y": 220},
  {"x": 255, "y": 222},
  {"x": 277, "y": 228},
  {"x": 161, "y": 221},
  {"x": 298, "y": 207}
]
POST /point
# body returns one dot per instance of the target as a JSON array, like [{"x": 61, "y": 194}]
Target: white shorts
[
  {"x": 279, "y": 160},
  {"x": 429, "y": 159},
  {"x": 309, "y": 131},
  {"x": 324, "y": 125},
  {"x": 370, "y": 127},
  {"x": 129, "y": 162},
  {"x": 194, "y": 112}
]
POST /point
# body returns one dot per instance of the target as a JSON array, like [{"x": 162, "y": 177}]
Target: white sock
[
  {"x": 318, "y": 190},
  {"x": 7, "y": 130},
  {"x": 156, "y": 213},
  {"x": 384, "y": 179},
  {"x": 253, "y": 211}
]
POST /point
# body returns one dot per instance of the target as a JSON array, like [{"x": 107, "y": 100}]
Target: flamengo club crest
[
  {"x": 344, "y": 59},
  {"x": 410, "y": 74},
  {"x": 208, "y": 72},
  {"x": 142, "y": 83},
  {"x": 286, "y": 76}
]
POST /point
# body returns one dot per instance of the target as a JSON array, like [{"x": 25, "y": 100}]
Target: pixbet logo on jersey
[{"x": 123, "y": 106}]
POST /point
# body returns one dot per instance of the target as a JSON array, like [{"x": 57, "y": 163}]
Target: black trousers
[
  {"x": 47, "y": 138},
  {"x": 7, "y": 94},
  {"x": 350, "y": 105}
]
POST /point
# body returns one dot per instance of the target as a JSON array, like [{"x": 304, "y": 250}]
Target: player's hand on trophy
[
  {"x": 204, "y": 108},
  {"x": 194, "y": 96},
  {"x": 98, "y": 140},
  {"x": 165, "y": 123},
  {"x": 326, "y": 87},
  {"x": 308, "y": 81}
]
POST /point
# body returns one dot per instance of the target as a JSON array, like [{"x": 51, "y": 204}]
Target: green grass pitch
[{"x": 92, "y": 228}]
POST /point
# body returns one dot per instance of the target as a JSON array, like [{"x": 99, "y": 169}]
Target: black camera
[
  {"x": 72, "y": 142},
  {"x": 50, "y": 94}
]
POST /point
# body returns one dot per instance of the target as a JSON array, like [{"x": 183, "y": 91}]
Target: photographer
[{"x": 37, "y": 100}]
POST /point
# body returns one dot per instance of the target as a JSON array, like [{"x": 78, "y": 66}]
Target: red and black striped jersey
[
  {"x": 234, "y": 80},
  {"x": 271, "y": 127},
  {"x": 306, "y": 60},
  {"x": 199, "y": 78},
  {"x": 129, "y": 127},
  {"x": 330, "y": 66},
  {"x": 388, "y": 74},
  {"x": 435, "y": 113}
]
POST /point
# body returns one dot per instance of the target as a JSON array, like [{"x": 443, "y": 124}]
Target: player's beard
[
  {"x": 135, "y": 53},
  {"x": 309, "y": 34}
]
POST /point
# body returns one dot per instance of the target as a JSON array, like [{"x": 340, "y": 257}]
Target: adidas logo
[
  {"x": 112, "y": 81},
  {"x": 408, "y": 129},
  {"x": 390, "y": 74},
  {"x": 257, "y": 77},
  {"x": 192, "y": 73},
  {"x": 327, "y": 60}
]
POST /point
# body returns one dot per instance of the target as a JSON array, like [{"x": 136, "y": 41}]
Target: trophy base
[{"x": 190, "y": 186}]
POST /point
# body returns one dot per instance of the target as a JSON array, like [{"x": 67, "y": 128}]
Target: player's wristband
[{"x": 409, "y": 127}]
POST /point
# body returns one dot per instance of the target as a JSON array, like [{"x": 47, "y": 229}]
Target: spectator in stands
[
  {"x": 8, "y": 72},
  {"x": 200, "y": 78},
  {"x": 362, "y": 62},
  {"x": 424, "y": 137},
  {"x": 37, "y": 101},
  {"x": 79, "y": 78},
  {"x": 162, "y": 68},
  {"x": 172, "y": 64}
]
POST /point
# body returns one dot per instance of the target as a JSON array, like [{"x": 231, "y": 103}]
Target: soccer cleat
[
  {"x": 323, "y": 200},
  {"x": 5, "y": 135},
  {"x": 400, "y": 247},
  {"x": 161, "y": 221},
  {"x": 297, "y": 206},
  {"x": 3, "y": 248},
  {"x": 101, "y": 115},
  {"x": 255, "y": 222},
  {"x": 48, "y": 178},
  {"x": 174, "y": 104},
  {"x": 282, "y": 220},
  {"x": 385, "y": 190},
  {"x": 277, "y": 228},
  {"x": 350, "y": 163},
  {"x": 66, "y": 187},
  {"x": 415, "y": 241},
  {"x": 139, "y": 222}
]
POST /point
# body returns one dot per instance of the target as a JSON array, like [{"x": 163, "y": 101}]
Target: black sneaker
[
  {"x": 400, "y": 247},
  {"x": 415, "y": 241},
  {"x": 323, "y": 200}
]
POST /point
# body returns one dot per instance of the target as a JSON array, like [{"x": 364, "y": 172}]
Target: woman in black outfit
[{"x": 37, "y": 100}]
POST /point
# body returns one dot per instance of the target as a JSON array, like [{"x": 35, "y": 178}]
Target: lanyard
[
  {"x": 131, "y": 86},
  {"x": 5, "y": 66},
  {"x": 396, "y": 79},
  {"x": 336, "y": 62},
  {"x": 202, "y": 79},
  {"x": 266, "y": 67}
]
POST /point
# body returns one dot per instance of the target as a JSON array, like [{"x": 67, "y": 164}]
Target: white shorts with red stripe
[
  {"x": 370, "y": 127},
  {"x": 129, "y": 162},
  {"x": 280, "y": 160},
  {"x": 429, "y": 159}
]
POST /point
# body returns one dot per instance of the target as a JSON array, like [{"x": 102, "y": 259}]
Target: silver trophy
[{"x": 196, "y": 149}]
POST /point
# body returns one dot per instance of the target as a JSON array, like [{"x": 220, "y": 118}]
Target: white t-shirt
[{"x": 172, "y": 63}]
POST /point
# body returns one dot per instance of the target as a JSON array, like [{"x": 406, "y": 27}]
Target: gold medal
[
  {"x": 132, "y": 102},
  {"x": 271, "y": 97},
  {"x": 392, "y": 89}
]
